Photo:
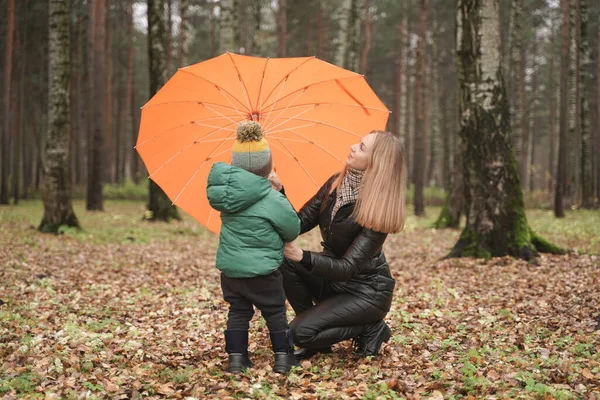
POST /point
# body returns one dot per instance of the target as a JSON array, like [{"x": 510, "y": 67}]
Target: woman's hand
[
  {"x": 292, "y": 252},
  {"x": 274, "y": 179}
]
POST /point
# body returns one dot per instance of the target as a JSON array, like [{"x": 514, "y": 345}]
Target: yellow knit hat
[{"x": 251, "y": 150}]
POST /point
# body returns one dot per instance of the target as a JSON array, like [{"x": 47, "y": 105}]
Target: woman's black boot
[
  {"x": 236, "y": 345},
  {"x": 303, "y": 354},
  {"x": 374, "y": 336},
  {"x": 283, "y": 348}
]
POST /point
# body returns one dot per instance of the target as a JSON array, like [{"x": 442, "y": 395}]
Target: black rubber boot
[
  {"x": 303, "y": 354},
  {"x": 374, "y": 336},
  {"x": 283, "y": 348},
  {"x": 236, "y": 345}
]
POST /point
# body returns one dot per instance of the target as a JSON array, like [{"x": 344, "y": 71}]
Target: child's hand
[{"x": 274, "y": 179}]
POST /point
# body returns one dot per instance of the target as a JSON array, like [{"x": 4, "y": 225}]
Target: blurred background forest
[{"x": 109, "y": 81}]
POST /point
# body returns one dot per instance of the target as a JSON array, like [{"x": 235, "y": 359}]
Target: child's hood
[{"x": 231, "y": 189}]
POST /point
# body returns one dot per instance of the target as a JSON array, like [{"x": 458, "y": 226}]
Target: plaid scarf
[{"x": 348, "y": 190}]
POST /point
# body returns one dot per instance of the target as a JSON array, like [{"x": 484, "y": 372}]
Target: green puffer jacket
[{"x": 257, "y": 220}]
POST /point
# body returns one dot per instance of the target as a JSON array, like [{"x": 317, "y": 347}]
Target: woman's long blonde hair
[{"x": 381, "y": 197}]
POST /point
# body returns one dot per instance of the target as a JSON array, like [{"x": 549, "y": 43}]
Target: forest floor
[{"x": 131, "y": 309}]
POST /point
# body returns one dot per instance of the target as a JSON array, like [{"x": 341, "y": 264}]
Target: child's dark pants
[{"x": 265, "y": 292}]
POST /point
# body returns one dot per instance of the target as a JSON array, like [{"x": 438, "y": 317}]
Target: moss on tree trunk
[{"x": 496, "y": 220}]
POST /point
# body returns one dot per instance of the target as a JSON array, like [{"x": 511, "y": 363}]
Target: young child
[{"x": 256, "y": 222}]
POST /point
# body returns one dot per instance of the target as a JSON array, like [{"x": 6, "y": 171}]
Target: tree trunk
[
  {"x": 552, "y": 124},
  {"x": 343, "y": 34},
  {"x": 8, "y": 51},
  {"x": 56, "y": 188},
  {"x": 531, "y": 136},
  {"x": 108, "y": 112},
  {"x": 397, "y": 114},
  {"x": 184, "y": 29},
  {"x": 518, "y": 64},
  {"x": 367, "y": 49},
  {"x": 159, "y": 206},
  {"x": 129, "y": 133},
  {"x": 420, "y": 131},
  {"x": 319, "y": 29},
  {"x": 81, "y": 130},
  {"x": 227, "y": 41},
  {"x": 574, "y": 111},
  {"x": 97, "y": 106},
  {"x": 597, "y": 152},
  {"x": 561, "y": 171},
  {"x": 585, "y": 79},
  {"x": 496, "y": 221},
  {"x": 17, "y": 100},
  {"x": 433, "y": 111},
  {"x": 257, "y": 21},
  {"x": 169, "y": 39},
  {"x": 521, "y": 121}
]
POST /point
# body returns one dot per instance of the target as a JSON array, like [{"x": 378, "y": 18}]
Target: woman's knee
[{"x": 302, "y": 332}]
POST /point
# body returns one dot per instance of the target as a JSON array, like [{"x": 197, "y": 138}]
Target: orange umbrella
[{"x": 311, "y": 112}]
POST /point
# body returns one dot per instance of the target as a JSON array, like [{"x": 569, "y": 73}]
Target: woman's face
[{"x": 360, "y": 152}]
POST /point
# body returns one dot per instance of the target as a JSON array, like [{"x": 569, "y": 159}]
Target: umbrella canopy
[{"x": 311, "y": 113}]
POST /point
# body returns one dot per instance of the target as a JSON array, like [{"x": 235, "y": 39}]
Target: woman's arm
[
  {"x": 360, "y": 253},
  {"x": 309, "y": 213}
]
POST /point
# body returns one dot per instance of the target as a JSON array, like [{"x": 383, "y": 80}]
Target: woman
[{"x": 350, "y": 280}]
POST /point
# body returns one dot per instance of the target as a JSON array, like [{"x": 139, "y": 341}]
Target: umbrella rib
[
  {"x": 283, "y": 150},
  {"x": 184, "y": 149},
  {"x": 200, "y": 103},
  {"x": 262, "y": 81},
  {"x": 242, "y": 83},
  {"x": 273, "y": 105},
  {"x": 326, "y": 124},
  {"x": 293, "y": 127},
  {"x": 221, "y": 89},
  {"x": 198, "y": 169},
  {"x": 212, "y": 126},
  {"x": 284, "y": 110},
  {"x": 298, "y": 161},
  {"x": 318, "y": 145},
  {"x": 291, "y": 140},
  {"x": 328, "y": 103},
  {"x": 223, "y": 115},
  {"x": 316, "y": 83},
  {"x": 285, "y": 79}
]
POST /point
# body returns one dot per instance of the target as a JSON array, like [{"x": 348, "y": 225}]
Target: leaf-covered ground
[{"x": 130, "y": 309}]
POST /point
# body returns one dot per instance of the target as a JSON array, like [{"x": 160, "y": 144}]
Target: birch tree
[
  {"x": 56, "y": 186},
  {"x": 496, "y": 221}
]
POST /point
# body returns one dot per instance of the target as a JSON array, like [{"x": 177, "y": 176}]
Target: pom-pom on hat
[{"x": 251, "y": 150}]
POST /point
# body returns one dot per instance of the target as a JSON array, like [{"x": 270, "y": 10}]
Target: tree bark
[
  {"x": 8, "y": 51},
  {"x": 597, "y": 152},
  {"x": 108, "y": 111},
  {"x": 319, "y": 29},
  {"x": 56, "y": 187},
  {"x": 184, "y": 28},
  {"x": 552, "y": 124},
  {"x": 398, "y": 87},
  {"x": 433, "y": 111},
  {"x": 585, "y": 79},
  {"x": 96, "y": 166},
  {"x": 282, "y": 29},
  {"x": 80, "y": 133},
  {"x": 420, "y": 131},
  {"x": 159, "y": 206},
  {"x": 573, "y": 144},
  {"x": 531, "y": 136},
  {"x": 561, "y": 171},
  {"x": 169, "y": 39},
  {"x": 227, "y": 38},
  {"x": 367, "y": 49},
  {"x": 129, "y": 153},
  {"x": 496, "y": 221}
]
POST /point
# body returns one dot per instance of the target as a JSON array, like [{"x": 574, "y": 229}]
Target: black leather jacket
[{"x": 352, "y": 259}]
